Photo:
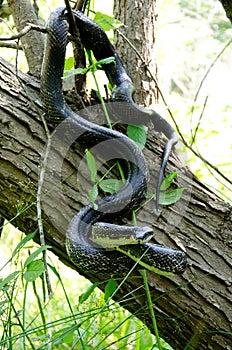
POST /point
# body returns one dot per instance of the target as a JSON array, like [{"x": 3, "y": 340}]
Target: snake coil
[{"x": 84, "y": 249}]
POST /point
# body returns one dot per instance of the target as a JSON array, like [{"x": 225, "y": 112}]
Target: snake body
[{"x": 86, "y": 252}]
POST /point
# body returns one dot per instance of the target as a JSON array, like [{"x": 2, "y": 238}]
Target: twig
[
  {"x": 41, "y": 175},
  {"x": 223, "y": 184},
  {"x": 81, "y": 5},
  {"x": 202, "y": 82},
  {"x": 199, "y": 122},
  {"x": 42, "y": 169},
  {"x": 24, "y": 31},
  {"x": 78, "y": 50},
  {"x": 204, "y": 160},
  {"x": 10, "y": 45},
  {"x": 40, "y": 181},
  {"x": 70, "y": 14}
]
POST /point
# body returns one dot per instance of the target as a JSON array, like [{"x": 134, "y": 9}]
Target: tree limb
[
  {"x": 24, "y": 31},
  {"x": 10, "y": 45},
  {"x": 194, "y": 308}
]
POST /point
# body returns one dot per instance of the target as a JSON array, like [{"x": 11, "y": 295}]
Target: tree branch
[
  {"x": 15, "y": 46},
  {"x": 192, "y": 309},
  {"x": 24, "y": 31}
]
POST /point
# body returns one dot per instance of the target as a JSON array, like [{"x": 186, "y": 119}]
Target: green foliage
[
  {"x": 92, "y": 166},
  {"x": 111, "y": 185},
  {"x": 89, "y": 291},
  {"x": 106, "y": 185},
  {"x": 93, "y": 195},
  {"x": 19, "y": 246},
  {"x": 64, "y": 336},
  {"x": 69, "y": 72},
  {"x": 138, "y": 133},
  {"x": 86, "y": 319},
  {"x": 110, "y": 289},
  {"x": 150, "y": 304},
  {"x": 68, "y": 65},
  {"x": 35, "y": 254},
  {"x": 167, "y": 197},
  {"x": 172, "y": 196},
  {"x": 34, "y": 270},
  {"x": 5, "y": 281},
  {"x": 168, "y": 180},
  {"x": 106, "y": 22}
]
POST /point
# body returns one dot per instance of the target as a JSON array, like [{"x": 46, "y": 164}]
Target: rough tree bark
[
  {"x": 139, "y": 20},
  {"x": 24, "y": 12},
  {"x": 195, "y": 307}
]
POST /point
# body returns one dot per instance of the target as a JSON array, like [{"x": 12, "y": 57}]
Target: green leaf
[
  {"x": 138, "y": 133},
  {"x": 93, "y": 67},
  {"x": 84, "y": 296},
  {"x": 111, "y": 185},
  {"x": 106, "y": 22},
  {"x": 149, "y": 194},
  {"x": 110, "y": 288},
  {"x": 23, "y": 242},
  {"x": 168, "y": 180},
  {"x": 92, "y": 166},
  {"x": 54, "y": 270},
  {"x": 93, "y": 195},
  {"x": 69, "y": 63},
  {"x": 106, "y": 60},
  {"x": 170, "y": 197},
  {"x": 64, "y": 335},
  {"x": 8, "y": 279},
  {"x": 34, "y": 270},
  {"x": 34, "y": 255},
  {"x": 72, "y": 72}
]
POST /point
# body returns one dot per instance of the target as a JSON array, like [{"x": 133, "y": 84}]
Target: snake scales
[{"x": 82, "y": 247}]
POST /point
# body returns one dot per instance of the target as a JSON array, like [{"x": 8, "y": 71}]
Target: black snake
[{"x": 83, "y": 248}]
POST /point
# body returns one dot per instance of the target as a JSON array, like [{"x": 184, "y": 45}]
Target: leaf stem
[{"x": 151, "y": 310}]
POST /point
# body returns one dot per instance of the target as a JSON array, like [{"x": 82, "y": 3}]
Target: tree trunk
[
  {"x": 192, "y": 309},
  {"x": 139, "y": 19},
  {"x": 24, "y": 12},
  {"x": 227, "y": 5}
]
